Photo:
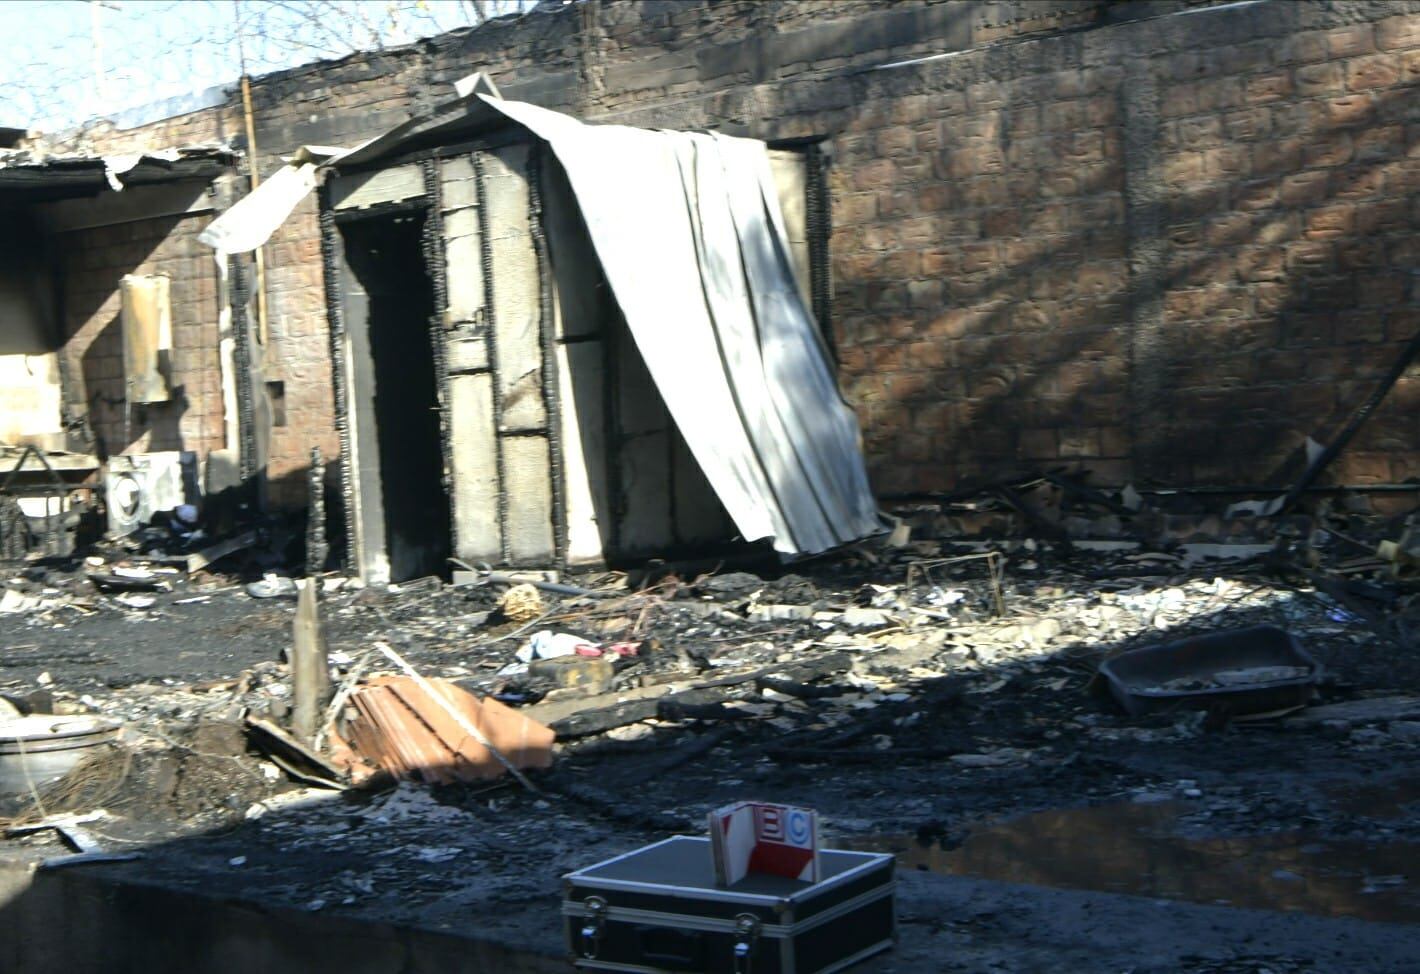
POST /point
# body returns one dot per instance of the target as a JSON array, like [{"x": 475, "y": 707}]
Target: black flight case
[{"x": 658, "y": 910}]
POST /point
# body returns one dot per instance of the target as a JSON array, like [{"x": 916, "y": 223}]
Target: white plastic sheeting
[
  {"x": 689, "y": 233},
  {"x": 255, "y": 217}
]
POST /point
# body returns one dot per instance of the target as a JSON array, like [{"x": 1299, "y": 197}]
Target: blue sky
[{"x": 65, "y": 61}]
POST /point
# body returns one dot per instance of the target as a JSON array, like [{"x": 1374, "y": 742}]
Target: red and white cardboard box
[{"x": 761, "y": 837}]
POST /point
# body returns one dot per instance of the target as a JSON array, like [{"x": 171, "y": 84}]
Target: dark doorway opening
[{"x": 385, "y": 253}]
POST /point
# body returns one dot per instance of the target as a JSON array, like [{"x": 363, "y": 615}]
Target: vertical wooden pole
[{"x": 310, "y": 668}]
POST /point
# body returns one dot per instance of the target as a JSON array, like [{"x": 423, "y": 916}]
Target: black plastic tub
[{"x": 1156, "y": 679}]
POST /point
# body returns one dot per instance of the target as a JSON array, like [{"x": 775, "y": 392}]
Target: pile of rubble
[{"x": 849, "y": 660}]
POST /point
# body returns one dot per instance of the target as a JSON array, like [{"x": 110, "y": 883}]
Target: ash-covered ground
[{"x": 931, "y": 700}]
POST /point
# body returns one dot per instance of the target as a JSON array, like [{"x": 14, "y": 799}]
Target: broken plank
[
  {"x": 275, "y": 742},
  {"x": 595, "y": 720},
  {"x": 1372, "y": 710},
  {"x": 310, "y": 665},
  {"x": 809, "y": 669},
  {"x": 594, "y": 715},
  {"x": 199, "y": 560},
  {"x": 85, "y": 858}
]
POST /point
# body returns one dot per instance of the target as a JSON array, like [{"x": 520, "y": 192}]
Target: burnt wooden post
[
  {"x": 310, "y": 668},
  {"x": 316, "y": 547}
]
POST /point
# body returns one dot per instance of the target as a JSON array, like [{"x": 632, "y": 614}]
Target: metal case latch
[
  {"x": 746, "y": 936},
  {"x": 593, "y": 927}
]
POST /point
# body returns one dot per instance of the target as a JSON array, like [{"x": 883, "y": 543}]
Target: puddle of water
[{"x": 1131, "y": 848}]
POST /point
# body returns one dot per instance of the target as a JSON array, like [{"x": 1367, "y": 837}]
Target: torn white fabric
[
  {"x": 115, "y": 166},
  {"x": 254, "y": 218},
  {"x": 689, "y": 234}
]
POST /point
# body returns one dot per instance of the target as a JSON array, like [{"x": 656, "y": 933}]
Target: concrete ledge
[
  {"x": 86, "y": 921},
  {"x": 102, "y": 920}
]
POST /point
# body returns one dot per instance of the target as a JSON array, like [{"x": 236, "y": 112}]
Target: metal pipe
[
  {"x": 1358, "y": 419},
  {"x": 255, "y": 177}
]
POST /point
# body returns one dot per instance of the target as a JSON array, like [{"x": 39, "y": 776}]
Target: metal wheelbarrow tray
[{"x": 1243, "y": 671}]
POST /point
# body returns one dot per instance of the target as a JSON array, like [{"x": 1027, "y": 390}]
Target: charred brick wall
[
  {"x": 298, "y": 356},
  {"x": 1160, "y": 240},
  {"x": 1168, "y": 250},
  {"x": 94, "y": 261}
]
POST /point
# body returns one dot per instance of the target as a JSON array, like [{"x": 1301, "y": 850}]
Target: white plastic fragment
[{"x": 551, "y": 645}]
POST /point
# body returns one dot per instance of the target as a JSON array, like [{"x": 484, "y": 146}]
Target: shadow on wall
[
  {"x": 26, "y": 305},
  {"x": 94, "y": 261},
  {"x": 1117, "y": 270}
]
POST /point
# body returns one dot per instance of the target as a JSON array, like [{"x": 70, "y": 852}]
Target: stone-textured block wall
[
  {"x": 982, "y": 279},
  {"x": 1167, "y": 248},
  {"x": 94, "y": 262},
  {"x": 298, "y": 355},
  {"x": 1290, "y": 171},
  {"x": 591, "y": 59}
]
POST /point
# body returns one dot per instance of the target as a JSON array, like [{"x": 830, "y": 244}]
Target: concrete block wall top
[{"x": 381, "y": 186}]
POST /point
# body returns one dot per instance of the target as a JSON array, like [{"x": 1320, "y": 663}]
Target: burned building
[
  {"x": 1045, "y": 250},
  {"x": 120, "y": 366},
  {"x": 519, "y": 381},
  {"x": 1123, "y": 298}
]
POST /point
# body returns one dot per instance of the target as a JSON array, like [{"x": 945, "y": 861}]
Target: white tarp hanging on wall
[{"x": 689, "y": 233}]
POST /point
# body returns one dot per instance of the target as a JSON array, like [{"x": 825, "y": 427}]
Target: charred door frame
[
  {"x": 252, "y": 449},
  {"x": 818, "y": 217},
  {"x": 359, "y": 482},
  {"x": 366, "y": 544},
  {"x": 817, "y": 151},
  {"x": 332, "y": 257}
]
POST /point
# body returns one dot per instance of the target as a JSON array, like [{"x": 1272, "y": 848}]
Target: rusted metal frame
[
  {"x": 241, "y": 353},
  {"x": 436, "y": 267},
  {"x": 485, "y": 256},
  {"x": 611, "y": 417},
  {"x": 38, "y": 454},
  {"x": 551, "y": 401},
  {"x": 339, "y": 378},
  {"x": 818, "y": 220},
  {"x": 995, "y": 568},
  {"x": 57, "y": 487}
]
